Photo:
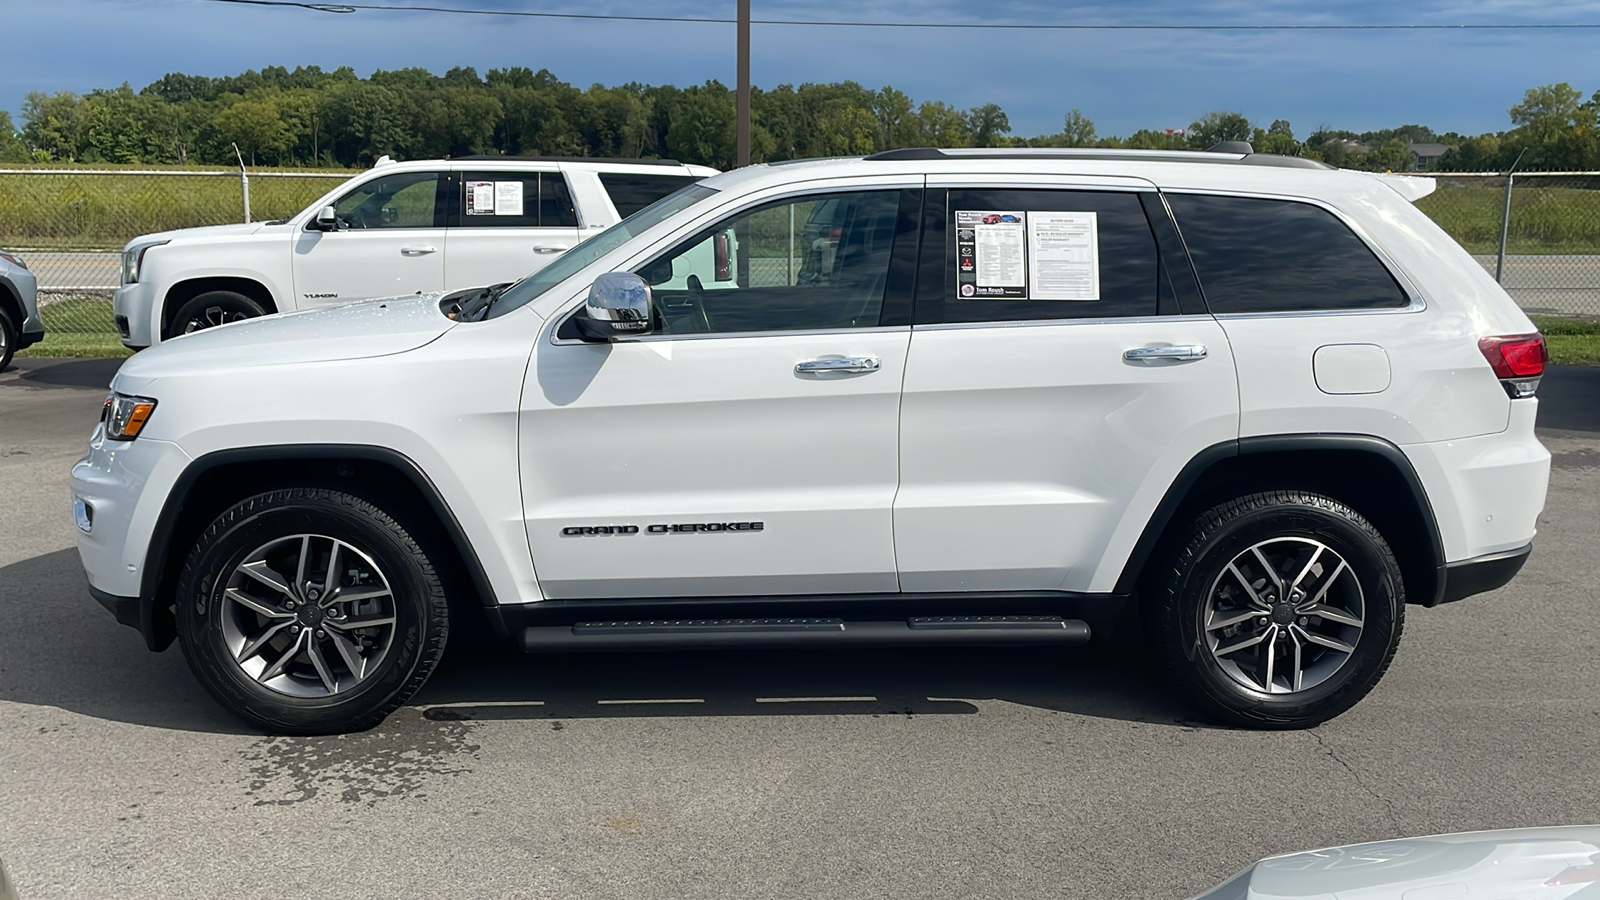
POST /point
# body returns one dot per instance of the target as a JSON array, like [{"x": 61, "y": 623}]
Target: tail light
[
  {"x": 1518, "y": 361},
  {"x": 1575, "y": 875}
]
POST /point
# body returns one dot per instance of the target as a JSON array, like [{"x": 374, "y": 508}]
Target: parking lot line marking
[
  {"x": 816, "y": 699},
  {"x": 620, "y": 702}
]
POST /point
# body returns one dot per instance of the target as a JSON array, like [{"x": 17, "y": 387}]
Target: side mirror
[
  {"x": 618, "y": 306},
  {"x": 327, "y": 219}
]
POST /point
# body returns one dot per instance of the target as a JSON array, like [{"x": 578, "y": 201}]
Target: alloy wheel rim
[
  {"x": 211, "y": 317},
  {"x": 308, "y": 615},
  {"x": 1284, "y": 616}
]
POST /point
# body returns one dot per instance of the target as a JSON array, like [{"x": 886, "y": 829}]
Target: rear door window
[
  {"x": 631, "y": 192},
  {"x": 514, "y": 200},
  {"x": 1029, "y": 254},
  {"x": 1256, "y": 254}
]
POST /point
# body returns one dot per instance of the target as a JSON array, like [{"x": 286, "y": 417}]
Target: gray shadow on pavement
[
  {"x": 59, "y": 648},
  {"x": 67, "y": 373}
]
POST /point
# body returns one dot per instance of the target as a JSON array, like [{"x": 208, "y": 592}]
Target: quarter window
[
  {"x": 631, "y": 192},
  {"x": 807, "y": 263},
  {"x": 1261, "y": 255},
  {"x": 1017, "y": 254},
  {"x": 404, "y": 200},
  {"x": 515, "y": 200}
]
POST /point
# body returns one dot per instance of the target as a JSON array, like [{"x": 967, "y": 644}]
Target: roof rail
[
  {"x": 493, "y": 157},
  {"x": 1214, "y": 155}
]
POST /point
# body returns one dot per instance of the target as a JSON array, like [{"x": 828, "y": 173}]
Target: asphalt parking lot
[{"x": 755, "y": 775}]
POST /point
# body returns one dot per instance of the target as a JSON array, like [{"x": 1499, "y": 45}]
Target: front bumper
[
  {"x": 118, "y": 490},
  {"x": 132, "y": 307}
]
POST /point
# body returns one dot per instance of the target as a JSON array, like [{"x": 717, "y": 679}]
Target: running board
[{"x": 687, "y": 634}]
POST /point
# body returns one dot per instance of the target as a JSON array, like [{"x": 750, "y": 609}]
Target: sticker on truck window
[
  {"x": 480, "y": 198},
  {"x": 1014, "y": 255}
]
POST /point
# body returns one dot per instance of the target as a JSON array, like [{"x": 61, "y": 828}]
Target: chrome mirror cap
[{"x": 620, "y": 301}]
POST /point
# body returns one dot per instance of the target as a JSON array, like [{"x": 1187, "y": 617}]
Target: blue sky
[{"x": 1462, "y": 81}]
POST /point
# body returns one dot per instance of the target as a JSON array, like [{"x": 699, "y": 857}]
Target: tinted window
[
  {"x": 515, "y": 200},
  {"x": 1043, "y": 254},
  {"x": 810, "y": 262},
  {"x": 555, "y": 202},
  {"x": 631, "y": 192},
  {"x": 1258, "y": 255},
  {"x": 398, "y": 201}
]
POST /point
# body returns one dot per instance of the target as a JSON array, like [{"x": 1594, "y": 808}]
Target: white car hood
[
  {"x": 205, "y": 232},
  {"x": 354, "y": 331}
]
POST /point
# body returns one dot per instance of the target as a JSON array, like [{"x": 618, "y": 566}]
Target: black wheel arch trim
[
  {"x": 1203, "y": 461},
  {"x": 155, "y": 621}
]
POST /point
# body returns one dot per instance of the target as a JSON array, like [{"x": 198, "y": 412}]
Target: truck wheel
[
  {"x": 8, "y": 339},
  {"x": 211, "y": 309},
  {"x": 1280, "y": 610},
  {"x": 309, "y": 611}
]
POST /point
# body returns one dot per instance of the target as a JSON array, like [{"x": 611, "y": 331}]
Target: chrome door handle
[
  {"x": 417, "y": 251},
  {"x": 838, "y": 364},
  {"x": 548, "y": 249},
  {"x": 1182, "y": 351}
]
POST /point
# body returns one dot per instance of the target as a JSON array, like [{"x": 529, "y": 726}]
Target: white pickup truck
[{"x": 401, "y": 228}]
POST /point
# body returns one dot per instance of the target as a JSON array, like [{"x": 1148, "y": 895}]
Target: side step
[{"x": 687, "y": 634}]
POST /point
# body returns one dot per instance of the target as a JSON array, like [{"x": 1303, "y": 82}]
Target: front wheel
[
  {"x": 1280, "y": 610},
  {"x": 211, "y": 309},
  {"x": 8, "y": 339},
  {"x": 310, "y": 611}
]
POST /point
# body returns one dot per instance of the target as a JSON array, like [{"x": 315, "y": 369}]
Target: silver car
[{"x": 20, "y": 325}]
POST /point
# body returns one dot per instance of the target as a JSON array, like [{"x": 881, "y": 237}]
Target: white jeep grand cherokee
[
  {"x": 402, "y": 228},
  {"x": 925, "y": 397}
]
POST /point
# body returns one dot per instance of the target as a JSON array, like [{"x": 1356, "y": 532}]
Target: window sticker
[
  {"x": 991, "y": 255},
  {"x": 480, "y": 198},
  {"x": 508, "y": 198},
  {"x": 1063, "y": 256}
]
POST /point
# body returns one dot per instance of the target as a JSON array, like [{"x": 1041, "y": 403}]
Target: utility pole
[{"x": 742, "y": 100}]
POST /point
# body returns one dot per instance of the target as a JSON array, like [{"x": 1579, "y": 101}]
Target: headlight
[
  {"x": 125, "y": 416},
  {"x": 14, "y": 259},
  {"x": 133, "y": 258}
]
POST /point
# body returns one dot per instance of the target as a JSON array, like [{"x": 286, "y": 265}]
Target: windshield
[{"x": 534, "y": 286}]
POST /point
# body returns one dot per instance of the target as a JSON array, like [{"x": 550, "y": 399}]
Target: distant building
[{"x": 1426, "y": 154}]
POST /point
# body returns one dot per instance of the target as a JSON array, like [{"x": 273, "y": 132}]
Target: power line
[{"x": 706, "y": 20}]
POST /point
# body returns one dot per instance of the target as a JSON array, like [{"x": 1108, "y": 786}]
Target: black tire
[
  {"x": 1224, "y": 687},
  {"x": 8, "y": 339},
  {"x": 206, "y": 611},
  {"x": 211, "y": 309}
]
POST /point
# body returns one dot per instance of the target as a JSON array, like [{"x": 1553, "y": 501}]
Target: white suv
[
  {"x": 401, "y": 228},
  {"x": 925, "y": 397}
]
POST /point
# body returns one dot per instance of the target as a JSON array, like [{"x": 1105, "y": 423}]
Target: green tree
[
  {"x": 54, "y": 124},
  {"x": 11, "y": 146},
  {"x": 942, "y": 125},
  {"x": 1077, "y": 129},
  {"x": 255, "y": 126},
  {"x": 1217, "y": 126},
  {"x": 988, "y": 124}
]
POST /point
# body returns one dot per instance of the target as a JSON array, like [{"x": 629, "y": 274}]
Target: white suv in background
[
  {"x": 925, "y": 397},
  {"x": 401, "y": 228}
]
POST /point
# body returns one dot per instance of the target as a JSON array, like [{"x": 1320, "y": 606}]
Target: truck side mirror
[{"x": 327, "y": 219}]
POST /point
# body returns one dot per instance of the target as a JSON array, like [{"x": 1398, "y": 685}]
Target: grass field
[
  {"x": 1543, "y": 220},
  {"x": 50, "y": 211},
  {"x": 1571, "y": 341}
]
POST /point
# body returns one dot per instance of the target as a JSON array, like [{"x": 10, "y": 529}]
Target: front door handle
[
  {"x": 1179, "y": 352},
  {"x": 417, "y": 251},
  {"x": 548, "y": 249},
  {"x": 838, "y": 364}
]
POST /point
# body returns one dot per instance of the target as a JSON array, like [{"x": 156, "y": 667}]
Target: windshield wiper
[{"x": 477, "y": 306}]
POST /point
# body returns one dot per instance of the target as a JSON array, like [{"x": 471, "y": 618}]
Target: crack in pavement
[{"x": 1388, "y": 805}]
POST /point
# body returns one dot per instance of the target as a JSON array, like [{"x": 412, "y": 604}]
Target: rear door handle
[
  {"x": 838, "y": 364},
  {"x": 1180, "y": 352},
  {"x": 548, "y": 249},
  {"x": 417, "y": 251}
]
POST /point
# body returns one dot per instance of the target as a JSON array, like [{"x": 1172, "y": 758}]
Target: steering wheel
[{"x": 697, "y": 298}]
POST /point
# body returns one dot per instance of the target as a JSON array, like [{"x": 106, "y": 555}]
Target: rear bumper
[{"x": 1482, "y": 574}]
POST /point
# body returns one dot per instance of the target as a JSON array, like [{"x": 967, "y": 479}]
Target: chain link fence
[{"x": 69, "y": 224}]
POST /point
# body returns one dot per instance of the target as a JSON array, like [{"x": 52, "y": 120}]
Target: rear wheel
[
  {"x": 1280, "y": 610},
  {"x": 309, "y": 611},
  {"x": 211, "y": 309}
]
